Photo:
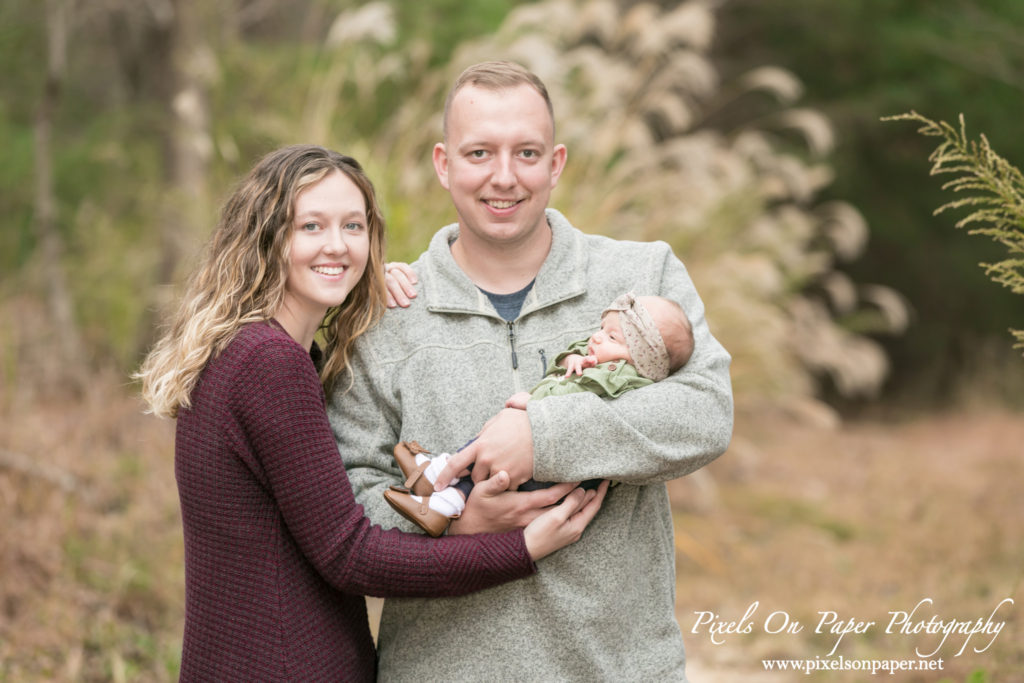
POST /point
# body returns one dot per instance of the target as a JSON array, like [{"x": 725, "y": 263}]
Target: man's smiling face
[{"x": 499, "y": 163}]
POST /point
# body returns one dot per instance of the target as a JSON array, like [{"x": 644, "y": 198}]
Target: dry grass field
[
  {"x": 861, "y": 520},
  {"x": 90, "y": 553}
]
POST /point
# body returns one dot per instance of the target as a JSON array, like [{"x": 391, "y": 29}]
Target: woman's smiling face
[{"x": 329, "y": 248}]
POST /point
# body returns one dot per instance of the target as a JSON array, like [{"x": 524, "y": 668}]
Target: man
[{"x": 501, "y": 292}]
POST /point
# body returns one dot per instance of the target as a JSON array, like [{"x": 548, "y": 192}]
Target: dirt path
[{"x": 861, "y": 521}]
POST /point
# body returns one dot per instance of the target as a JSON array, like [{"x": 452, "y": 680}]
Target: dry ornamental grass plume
[
  {"x": 992, "y": 188},
  {"x": 632, "y": 89}
]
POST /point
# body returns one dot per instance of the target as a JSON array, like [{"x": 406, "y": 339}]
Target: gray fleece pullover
[{"x": 603, "y": 608}]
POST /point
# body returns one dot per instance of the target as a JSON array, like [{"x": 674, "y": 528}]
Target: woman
[{"x": 277, "y": 553}]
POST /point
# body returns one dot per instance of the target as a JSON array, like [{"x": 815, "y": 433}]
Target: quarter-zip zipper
[{"x": 512, "y": 344}]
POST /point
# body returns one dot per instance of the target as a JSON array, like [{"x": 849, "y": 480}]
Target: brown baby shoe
[
  {"x": 405, "y": 456},
  {"x": 431, "y": 521}
]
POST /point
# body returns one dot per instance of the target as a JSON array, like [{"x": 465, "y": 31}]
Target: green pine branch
[{"x": 994, "y": 195}]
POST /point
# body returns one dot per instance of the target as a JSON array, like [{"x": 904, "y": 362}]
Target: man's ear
[
  {"x": 441, "y": 164},
  {"x": 558, "y": 158}
]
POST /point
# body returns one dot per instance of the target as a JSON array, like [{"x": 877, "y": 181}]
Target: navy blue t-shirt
[{"x": 509, "y": 305}]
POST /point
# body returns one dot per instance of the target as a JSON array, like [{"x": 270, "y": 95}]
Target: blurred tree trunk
[
  {"x": 184, "y": 71},
  {"x": 70, "y": 358}
]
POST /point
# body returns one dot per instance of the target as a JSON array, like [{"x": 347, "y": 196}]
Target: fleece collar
[{"x": 562, "y": 275}]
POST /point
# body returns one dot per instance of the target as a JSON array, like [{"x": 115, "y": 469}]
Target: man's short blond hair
[{"x": 497, "y": 75}]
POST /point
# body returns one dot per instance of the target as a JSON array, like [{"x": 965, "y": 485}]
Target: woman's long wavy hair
[{"x": 243, "y": 276}]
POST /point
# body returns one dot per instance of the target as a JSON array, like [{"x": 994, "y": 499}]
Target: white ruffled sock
[
  {"x": 448, "y": 501},
  {"x": 437, "y": 464}
]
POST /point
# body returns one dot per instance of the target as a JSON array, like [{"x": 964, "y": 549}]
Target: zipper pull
[{"x": 512, "y": 345}]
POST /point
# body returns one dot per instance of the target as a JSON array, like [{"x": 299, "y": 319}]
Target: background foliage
[
  {"x": 989, "y": 188},
  {"x": 745, "y": 134},
  {"x": 162, "y": 105},
  {"x": 860, "y": 60}
]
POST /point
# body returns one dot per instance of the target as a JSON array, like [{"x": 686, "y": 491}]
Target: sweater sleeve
[
  {"x": 658, "y": 433},
  {"x": 279, "y": 403}
]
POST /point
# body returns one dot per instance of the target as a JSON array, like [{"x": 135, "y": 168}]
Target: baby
[{"x": 642, "y": 340}]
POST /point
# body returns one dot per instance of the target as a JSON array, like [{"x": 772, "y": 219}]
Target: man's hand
[
  {"x": 492, "y": 508},
  {"x": 574, "y": 363},
  {"x": 504, "y": 444}
]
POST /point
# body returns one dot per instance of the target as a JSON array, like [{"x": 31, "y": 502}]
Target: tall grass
[
  {"x": 651, "y": 156},
  {"x": 92, "y": 563},
  {"x": 634, "y": 91},
  {"x": 987, "y": 185}
]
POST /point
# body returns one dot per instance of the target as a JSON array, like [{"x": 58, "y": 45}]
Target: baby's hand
[
  {"x": 575, "y": 364},
  {"x": 518, "y": 400}
]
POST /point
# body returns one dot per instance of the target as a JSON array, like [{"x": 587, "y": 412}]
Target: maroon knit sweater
[{"x": 277, "y": 551}]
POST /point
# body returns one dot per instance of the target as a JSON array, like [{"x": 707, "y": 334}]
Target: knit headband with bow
[{"x": 650, "y": 356}]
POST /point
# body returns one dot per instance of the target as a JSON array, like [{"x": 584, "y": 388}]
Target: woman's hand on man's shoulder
[{"x": 401, "y": 282}]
